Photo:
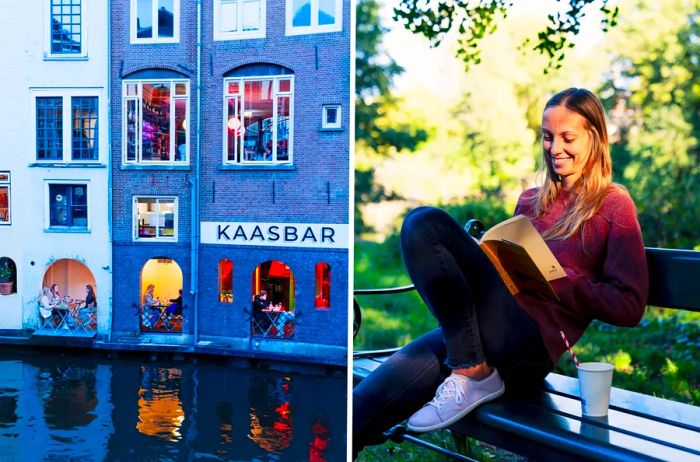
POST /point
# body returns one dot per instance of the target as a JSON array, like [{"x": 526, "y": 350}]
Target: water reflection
[{"x": 60, "y": 407}]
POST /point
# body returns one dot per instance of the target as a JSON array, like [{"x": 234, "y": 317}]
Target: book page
[{"x": 518, "y": 230}]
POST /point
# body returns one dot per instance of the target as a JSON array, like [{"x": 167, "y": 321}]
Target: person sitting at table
[
  {"x": 261, "y": 303},
  {"x": 87, "y": 313},
  {"x": 175, "y": 308},
  {"x": 282, "y": 319},
  {"x": 150, "y": 314},
  {"x": 55, "y": 295},
  {"x": 46, "y": 308}
]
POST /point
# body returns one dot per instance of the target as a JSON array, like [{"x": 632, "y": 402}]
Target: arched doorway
[
  {"x": 274, "y": 300},
  {"x": 161, "y": 306},
  {"x": 71, "y": 278}
]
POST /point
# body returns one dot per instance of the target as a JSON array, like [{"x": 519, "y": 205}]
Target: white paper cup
[{"x": 595, "y": 381}]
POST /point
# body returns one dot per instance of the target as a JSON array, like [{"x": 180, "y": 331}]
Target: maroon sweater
[{"x": 607, "y": 275}]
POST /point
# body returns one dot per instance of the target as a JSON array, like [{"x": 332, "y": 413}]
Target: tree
[
  {"x": 654, "y": 103},
  {"x": 473, "y": 20}
]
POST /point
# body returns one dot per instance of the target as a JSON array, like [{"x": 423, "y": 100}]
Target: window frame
[
  {"x": 242, "y": 35},
  {"x": 324, "y": 121},
  {"x": 314, "y": 27},
  {"x": 47, "y": 211},
  {"x": 67, "y": 121},
  {"x": 48, "y": 54},
  {"x": 135, "y": 217},
  {"x": 241, "y": 95},
  {"x": 139, "y": 129},
  {"x": 133, "y": 20},
  {"x": 6, "y": 182}
]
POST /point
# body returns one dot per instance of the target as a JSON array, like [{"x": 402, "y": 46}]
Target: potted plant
[{"x": 6, "y": 276}]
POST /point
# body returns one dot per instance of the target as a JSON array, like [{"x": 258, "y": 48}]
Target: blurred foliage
[
  {"x": 474, "y": 20},
  {"x": 653, "y": 100}
]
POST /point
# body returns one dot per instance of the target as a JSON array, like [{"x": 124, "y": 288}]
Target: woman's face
[{"x": 566, "y": 143}]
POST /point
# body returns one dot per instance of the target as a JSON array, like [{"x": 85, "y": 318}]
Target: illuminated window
[
  {"x": 322, "y": 292},
  {"x": 161, "y": 308},
  {"x": 155, "y": 218},
  {"x": 155, "y": 115},
  {"x": 259, "y": 119},
  {"x": 225, "y": 281},
  {"x": 5, "y": 198},
  {"x": 273, "y": 300},
  {"x": 155, "y": 21}
]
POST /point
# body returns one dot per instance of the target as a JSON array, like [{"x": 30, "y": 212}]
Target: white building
[{"x": 54, "y": 156}]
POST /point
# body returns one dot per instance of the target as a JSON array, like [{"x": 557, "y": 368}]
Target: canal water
[{"x": 81, "y": 407}]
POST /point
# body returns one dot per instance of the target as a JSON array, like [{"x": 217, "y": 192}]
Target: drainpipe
[
  {"x": 109, "y": 168},
  {"x": 194, "y": 182}
]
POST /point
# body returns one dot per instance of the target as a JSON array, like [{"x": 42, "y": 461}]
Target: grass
[{"x": 658, "y": 357}]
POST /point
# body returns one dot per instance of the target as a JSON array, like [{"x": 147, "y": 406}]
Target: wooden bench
[{"x": 550, "y": 426}]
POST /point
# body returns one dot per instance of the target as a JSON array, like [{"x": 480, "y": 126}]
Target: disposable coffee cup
[{"x": 595, "y": 381}]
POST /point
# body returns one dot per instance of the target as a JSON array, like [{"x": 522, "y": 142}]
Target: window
[
  {"x": 322, "y": 292},
  {"x": 259, "y": 119},
  {"x": 4, "y": 198},
  {"x": 67, "y": 135},
  {"x": 313, "y": 16},
  {"x": 274, "y": 299},
  {"x": 155, "y": 115},
  {"x": 155, "y": 21},
  {"x": 161, "y": 303},
  {"x": 155, "y": 218},
  {"x": 331, "y": 116},
  {"x": 66, "y": 34},
  {"x": 8, "y": 276},
  {"x": 239, "y": 19},
  {"x": 68, "y": 206},
  {"x": 225, "y": 281}
]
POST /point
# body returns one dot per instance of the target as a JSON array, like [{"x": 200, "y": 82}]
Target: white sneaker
[{"x": 456, "y": 397}]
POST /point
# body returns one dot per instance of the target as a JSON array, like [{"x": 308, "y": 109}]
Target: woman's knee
[{"x": 424, "y": 222}]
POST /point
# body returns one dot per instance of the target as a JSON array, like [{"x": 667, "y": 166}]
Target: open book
[{"x": 521, "y": 257}]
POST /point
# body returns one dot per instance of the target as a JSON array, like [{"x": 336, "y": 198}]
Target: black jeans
[{"x": 479, "y": 321}]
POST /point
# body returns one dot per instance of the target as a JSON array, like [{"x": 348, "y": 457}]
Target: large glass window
[
  {"x": 155, "y": 218},
  {"x": 313, "y": 16},
  {"x": 4, "y": 198},
  {"x": 155, "y": 21},
  {"x": 259, "y": 119},
  {"x": 80, "y": 142},
  {"x": 68, "y": 206},
  {"x": 66, "y": 27},
  {"x": 155, "y": 121},
  {"x": 239, "y": 19}
]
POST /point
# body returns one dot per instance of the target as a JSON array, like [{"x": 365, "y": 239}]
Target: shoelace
[{"x": 444, "y": 393}]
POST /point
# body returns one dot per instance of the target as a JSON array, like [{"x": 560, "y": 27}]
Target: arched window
[
  {"x": 225, "y": 281},
  {"x": 8, "y": 276},
  {"x": 273, "y": 300},
  {"x": 322, "y": 292},
  {"x": 74, "y": 284},
  {"x": 161, "y": 296}
]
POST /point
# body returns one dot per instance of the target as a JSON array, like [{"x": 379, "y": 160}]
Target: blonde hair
[{"x": 596, "y": 178}]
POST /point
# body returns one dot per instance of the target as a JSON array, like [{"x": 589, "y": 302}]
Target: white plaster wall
[{"x": 26, "y": 73}]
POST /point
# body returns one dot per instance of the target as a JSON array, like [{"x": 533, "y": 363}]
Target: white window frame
[
  {"x": 7, "y": 183},
  {"x": 338, "y": 123},
  {"x": 241, "y": 35},
  {"x": 133, "y": 13},
  {"x": 83, "y": 33},
  {"x": 314, "y": 28},
  {"x": 67, "y": 123},
  {"x": 135, "y": 219},
  {"x": 139, "y": 126},
  {"x": 47, "y": 209},
  {"x": 276, "y": 93}
]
